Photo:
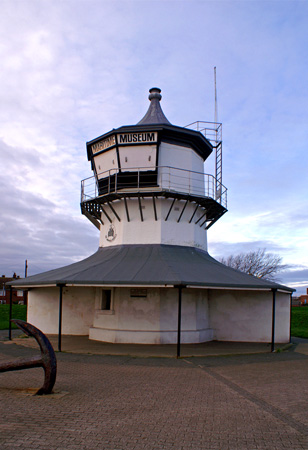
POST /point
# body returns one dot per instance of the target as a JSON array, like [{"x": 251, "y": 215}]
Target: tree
[{"x": 258, "y": 263}]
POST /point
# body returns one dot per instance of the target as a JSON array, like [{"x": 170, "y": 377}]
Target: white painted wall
[
  {"x": 106, "y": 161},
  {"x": 151, "y": 231},
  {"x": 153, "y": 319},
  {"x": 77, "y": 309},
  {"x": 246, "y": 316},
  {"x": 179, "y": 157},
  {"x": 282, "y": 314},
  {"x": 160, "y": 231},
  {"x": 132, "y": 156}
]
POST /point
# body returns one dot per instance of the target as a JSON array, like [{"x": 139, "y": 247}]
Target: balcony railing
[
  {"x": 211, "y": 130},
  {"x": 159, "y": 178}
]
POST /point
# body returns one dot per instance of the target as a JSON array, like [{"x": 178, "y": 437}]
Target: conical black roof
[
  {"x": 154, "y": 114},
  {"x": 156, "y": 120}
]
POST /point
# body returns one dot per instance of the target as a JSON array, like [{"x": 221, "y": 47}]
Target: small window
[
  {"x": 106, "y": 300},
  {"x": 138, "y": 293}
]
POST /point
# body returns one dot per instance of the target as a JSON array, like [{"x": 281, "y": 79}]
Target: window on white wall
[{"x": 106, "y": 300}]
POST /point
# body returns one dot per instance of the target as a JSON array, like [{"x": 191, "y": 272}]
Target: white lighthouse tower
[
  {"x": 149, "y": 189},
  {"x": 152, "y": 280},
  {"x": 149, "y": 185}
]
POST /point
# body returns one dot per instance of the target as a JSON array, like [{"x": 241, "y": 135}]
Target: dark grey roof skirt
[
  {"x": 154, "y": 114},
  {"x": 149, "y": 265}
]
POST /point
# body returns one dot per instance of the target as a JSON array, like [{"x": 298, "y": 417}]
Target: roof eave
[{"x": 181, "y": 134}]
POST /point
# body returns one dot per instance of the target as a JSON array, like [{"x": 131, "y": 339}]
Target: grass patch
[
  {"x": 18, "y": 312},
  {"x": 299, "y": 322}
]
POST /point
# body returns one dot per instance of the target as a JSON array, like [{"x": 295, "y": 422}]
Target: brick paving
[
  {"x": 82, "y": 344},
  {"x": 241, "y": 402}
]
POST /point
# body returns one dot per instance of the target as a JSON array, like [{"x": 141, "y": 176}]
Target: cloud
[
  {"x": 71, "y": 72},
  {"x": 296, "y": 278},
  {"x": 33, "y": 227},
  {"x": 225, "y": 249},
  {"x": 295, "y": 275}
]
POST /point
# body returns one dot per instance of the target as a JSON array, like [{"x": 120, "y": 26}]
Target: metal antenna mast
[
  {"x": 215, "y": 86},
  {"x": 218, "y": 164}
]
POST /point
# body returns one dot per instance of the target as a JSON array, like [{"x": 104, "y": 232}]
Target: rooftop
[
  {"x": 150, "y": 265},
  {"x": 154, "y": 114}
]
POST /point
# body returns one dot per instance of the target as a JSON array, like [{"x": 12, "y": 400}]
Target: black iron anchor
[{"x": 47, "y": 359}]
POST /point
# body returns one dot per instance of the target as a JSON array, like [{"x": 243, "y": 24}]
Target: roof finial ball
[
  {"x": 155, "y": 93},
  {"x": 154, "y": 114}
]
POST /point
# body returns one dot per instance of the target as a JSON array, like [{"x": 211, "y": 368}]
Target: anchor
[{"x": 47, "y": 359}]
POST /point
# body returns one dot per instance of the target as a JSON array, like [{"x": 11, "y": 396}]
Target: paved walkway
[
  {"x": 236, "y": 402},
  {"x": 81, "y": 344}
]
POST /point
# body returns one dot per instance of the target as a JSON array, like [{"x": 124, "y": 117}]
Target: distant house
[
  {"x": 18, "y": 296},
  {"x": 303, "y": 299},
  {"x": 296, "y": 301}
]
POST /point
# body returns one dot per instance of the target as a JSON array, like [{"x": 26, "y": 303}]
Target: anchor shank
[{"x": 21, "y": 364}]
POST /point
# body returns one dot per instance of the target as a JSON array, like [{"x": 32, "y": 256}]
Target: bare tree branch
[{"x": 258, "y": 263}]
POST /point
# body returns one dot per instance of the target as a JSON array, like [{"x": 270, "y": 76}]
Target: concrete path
[
  {"x": 81, "y": 344},
  {"x": 236, "y": 402}
]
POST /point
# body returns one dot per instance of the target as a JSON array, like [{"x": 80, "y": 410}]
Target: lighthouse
[
  {"x": 149, "y": 185},
  {"x": 152, "y": 280}
]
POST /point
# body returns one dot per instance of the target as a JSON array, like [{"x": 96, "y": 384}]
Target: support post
[
  {"x": 170, "y": 209},
  {"x": 126, "y": 209},
  {"x": 10, "y": 313},
  {"x": 273, "y": 319},
  {"x": 114, "y": 211},
  {"x": 178, "y": 352},
  {"x": 290, "y": 316},
  {"x": 194, "y": 213},
  {"x": 180, "y": 216},
  {"x": 154, "y": 206},
  {"x": 140, "y": 207},
  {"x": 105, "y": 213},
  {"x": 201, "y": 217},
  {"x": 25, "y": 293},
  {"x": 60, "y": 317}
]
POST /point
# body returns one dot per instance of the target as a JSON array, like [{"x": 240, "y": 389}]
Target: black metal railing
[
  {"x": 211, "y": 130},
  {"x": 160, "y": 178}
]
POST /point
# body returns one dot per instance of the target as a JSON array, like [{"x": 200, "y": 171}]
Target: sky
[{"x": 73, "y": 70}]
